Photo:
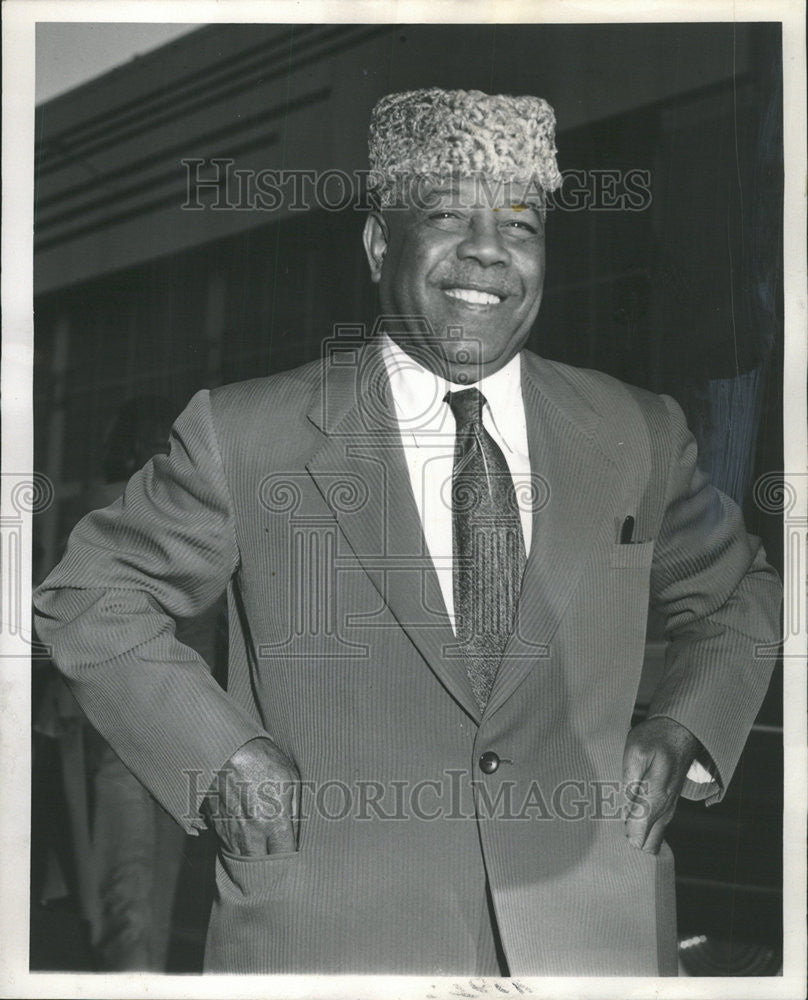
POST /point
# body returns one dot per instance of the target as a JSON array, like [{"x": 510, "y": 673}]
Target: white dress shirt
[{"x": 427, "y": 427}]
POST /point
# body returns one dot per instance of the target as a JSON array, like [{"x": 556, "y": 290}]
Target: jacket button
[{"x": 489, "y": 762}]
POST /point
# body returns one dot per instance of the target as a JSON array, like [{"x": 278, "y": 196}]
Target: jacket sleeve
[
  {"x": 721, "y": 600},
  {"x": 164, "y": 551}
]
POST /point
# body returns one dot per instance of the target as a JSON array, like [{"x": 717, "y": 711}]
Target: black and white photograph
[{"x": 404, "y": 500}]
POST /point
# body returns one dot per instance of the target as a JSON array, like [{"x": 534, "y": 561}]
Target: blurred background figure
[
  {"x": 125, "y": 853},
  {"x": 139, "y": 432}
]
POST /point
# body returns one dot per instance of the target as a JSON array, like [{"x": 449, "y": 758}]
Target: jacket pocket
[
  {"x": 250, "y": 875},
  {"x": 635, "y": 555}
]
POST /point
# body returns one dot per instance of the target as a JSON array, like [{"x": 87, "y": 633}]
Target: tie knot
[{"x": 467, "y": 406}]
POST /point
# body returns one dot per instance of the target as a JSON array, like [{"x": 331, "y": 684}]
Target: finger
[
  {"x": 637, "y": 809},
  {"x": 636, "y": 822},
  {"x": 256, "y": 839},
  {"x": 647, "y": 802},
  {"x": 280, "y": 825},
  {"x": 653, "y": 841},
  {"x": 295, "y": 813},
  {"x": 237, "y": 838},
  {"x": 636, "y": 763}
]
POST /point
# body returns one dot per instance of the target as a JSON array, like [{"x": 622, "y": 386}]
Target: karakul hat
[{"x": 441, "y": 133}]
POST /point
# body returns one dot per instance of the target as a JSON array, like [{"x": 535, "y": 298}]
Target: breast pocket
[{"x": 634, "y": 555}]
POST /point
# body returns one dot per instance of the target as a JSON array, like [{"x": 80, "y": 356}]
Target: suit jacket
[{"x": 292, "y": 491}]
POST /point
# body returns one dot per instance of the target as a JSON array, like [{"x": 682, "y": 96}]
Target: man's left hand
[{"x": 656, "y": 759}]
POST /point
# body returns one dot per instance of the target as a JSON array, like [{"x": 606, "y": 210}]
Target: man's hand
[
  {"x": 656, "y": 760},
  {"x": 254, "y": 803}
]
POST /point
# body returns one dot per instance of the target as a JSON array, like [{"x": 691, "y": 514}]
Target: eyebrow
[
  {"x": 520, "y": 206},
  {"x": 425, "y": 200},
  {"x": 451, "y": 188},
  {"x": 443, "y": 189}
]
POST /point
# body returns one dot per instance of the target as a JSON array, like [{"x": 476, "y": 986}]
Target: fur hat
[{"x": 443, "y": 133}]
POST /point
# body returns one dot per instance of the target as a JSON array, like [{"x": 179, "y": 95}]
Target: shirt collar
[{"x": 418, "y": 394}]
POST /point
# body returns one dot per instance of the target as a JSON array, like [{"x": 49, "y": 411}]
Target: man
[{"x": 435, "y": 675}]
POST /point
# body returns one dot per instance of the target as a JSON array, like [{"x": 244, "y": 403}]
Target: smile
[{"x": 473, "y": 296}]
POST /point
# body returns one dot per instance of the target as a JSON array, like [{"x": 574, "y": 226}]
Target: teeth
[{"x": 473, "y": 296}]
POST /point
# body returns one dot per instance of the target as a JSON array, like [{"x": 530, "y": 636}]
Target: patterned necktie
[{"x": 488, "y": 546}]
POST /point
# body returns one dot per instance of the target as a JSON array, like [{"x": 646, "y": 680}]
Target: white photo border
[{"x": 19, "y": 21}]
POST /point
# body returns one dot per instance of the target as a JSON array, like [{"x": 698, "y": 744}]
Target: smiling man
[
  {"x": 470, "y": 260},
  {"x": 439, "y": 559}
]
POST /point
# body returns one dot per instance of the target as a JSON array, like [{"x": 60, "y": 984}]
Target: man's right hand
[{"x": 253, "y": 805}]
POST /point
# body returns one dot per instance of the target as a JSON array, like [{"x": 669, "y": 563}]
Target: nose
[{"x": 483, "y": 242}]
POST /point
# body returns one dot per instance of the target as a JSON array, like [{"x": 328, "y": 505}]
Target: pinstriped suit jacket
[{"x": 292, "y": 491}]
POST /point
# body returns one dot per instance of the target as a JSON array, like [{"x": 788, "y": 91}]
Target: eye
[
  {"x": 447, "y": 220},
  {"x": 521, "y": 224}
]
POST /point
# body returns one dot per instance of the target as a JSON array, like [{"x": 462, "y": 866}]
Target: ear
[{"x": 375, "y": 238}]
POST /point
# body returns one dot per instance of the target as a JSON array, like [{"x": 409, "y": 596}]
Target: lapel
[
  {"x": 577, "y": 480},
  {"x": 361, "y": 474}
]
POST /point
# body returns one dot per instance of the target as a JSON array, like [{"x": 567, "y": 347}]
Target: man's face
[{"x": 470, "y": 261}]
